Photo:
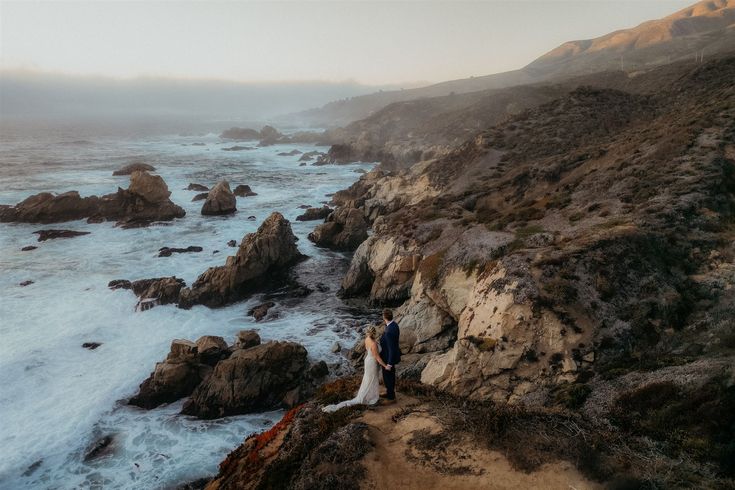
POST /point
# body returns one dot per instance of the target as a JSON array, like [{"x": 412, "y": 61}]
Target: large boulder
[
  {"x": 164, "y": 289},
  {"x": 269, "y": 136},
  {"x": 187, "y": 364},
  {"x": 134, "y": 167},
  {"x": 220, "y": 200},
  {"x": 151, "y": 188},
  {"x": 344, "y": 229},
  {"x": 262, "y": 256},
  {"x": 263, "y": 377},
  {"x": 243, "y": 190}
]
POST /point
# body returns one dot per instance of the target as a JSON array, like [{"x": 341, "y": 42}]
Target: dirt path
[{"x": 411, "y": 452}]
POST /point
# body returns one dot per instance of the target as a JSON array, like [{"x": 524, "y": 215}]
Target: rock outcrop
[
  {"x": 266, "y": 376},
  {"x": 263, "y": 256},
  {"x": 145, "y": 201},
  {"x": 134, "y": 167},
  {"x": 44, "y": 235},
  {"x": 344, "y": 229},
  {"x": 240, "y": 134},
  {"x": 220, "y": 200},
  {"x": 152, "y": 292},
  {"x": 197, "y": 187},
  {"x": 243, "y": 190},
  {"x": 222, "y": 380},
  {"x": 312, "y": 214}
]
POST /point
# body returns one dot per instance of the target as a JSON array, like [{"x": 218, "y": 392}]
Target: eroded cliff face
[{"x": 574, "y": 242}]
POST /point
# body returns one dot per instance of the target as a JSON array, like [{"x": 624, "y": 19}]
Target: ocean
[{"x": 58, "y": 398}]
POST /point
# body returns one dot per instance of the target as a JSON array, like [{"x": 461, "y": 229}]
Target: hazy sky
[{"x": 370, "y": 42}]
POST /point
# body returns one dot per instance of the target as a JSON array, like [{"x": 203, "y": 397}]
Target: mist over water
[{"x": 59, "y": 398}]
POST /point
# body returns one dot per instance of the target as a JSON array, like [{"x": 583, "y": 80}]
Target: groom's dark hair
[{"x": 387, "y": 314}]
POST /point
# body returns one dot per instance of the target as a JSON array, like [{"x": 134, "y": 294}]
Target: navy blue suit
[{"x": 391, "y": 354}]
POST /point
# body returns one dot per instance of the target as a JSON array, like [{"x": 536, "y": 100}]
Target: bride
[{"x": 368, "y": 394}]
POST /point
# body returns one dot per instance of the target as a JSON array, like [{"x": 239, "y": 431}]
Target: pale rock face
[{"x": 481, "y": 370}]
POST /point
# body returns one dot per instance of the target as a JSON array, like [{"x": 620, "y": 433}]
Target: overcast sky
[{"x": 369, "y": 42}]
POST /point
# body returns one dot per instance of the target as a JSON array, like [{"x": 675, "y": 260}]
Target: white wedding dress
[{"x": 369, "y": 392}]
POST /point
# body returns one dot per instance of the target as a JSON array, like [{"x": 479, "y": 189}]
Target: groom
[{"x": 391, "y": 353}]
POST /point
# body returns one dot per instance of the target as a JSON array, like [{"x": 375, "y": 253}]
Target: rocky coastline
[{"x": 564, "y": 269}]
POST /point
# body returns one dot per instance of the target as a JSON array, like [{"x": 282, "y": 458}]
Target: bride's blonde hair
[{"x": 372, "y": 332}]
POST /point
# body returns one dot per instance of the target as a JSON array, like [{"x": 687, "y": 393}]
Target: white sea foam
[{"x": 57, "y": 397}]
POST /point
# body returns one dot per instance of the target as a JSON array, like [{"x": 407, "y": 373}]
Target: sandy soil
[{"x": 396, "y": 462}]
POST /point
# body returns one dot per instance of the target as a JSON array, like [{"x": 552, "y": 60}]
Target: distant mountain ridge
[{"x": 703, "y": 29}]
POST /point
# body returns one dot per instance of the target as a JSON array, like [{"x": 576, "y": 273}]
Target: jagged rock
[
  {"x": 144, "y": 202},
  {"x": 211, "y": 349},
  {"x": 242, "y": 134},
  {"x": 152, "y": 292},
  {"x": 344, "y": 229},
  {"x": 247, "y": 339},
  {"x": 220, "y": 200},
  {"x": 262, "y": 255},
  {"x": 197, "y": 187},
  {"x": 120, "y": 284},
  {"x": 232, "y": 243},
  {"x": 28, "y": 248},
  {"x": 259, "y": 312},
  {"x": 259, "y": 378},
  {"x": 25, "y": 283},
  {"x": 91, "y": 345},
  {"x": 174, "y": 378},
  {"x": 244, "y": 191},
  {"x": 168, "y": 251},
  {"x": 312, "y": 214},
  {"x": 200, "y": 197},
  {"x": 44, "y": 235},
  {"x": 134, "y": 167}
]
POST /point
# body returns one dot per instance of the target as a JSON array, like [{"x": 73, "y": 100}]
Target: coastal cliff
[{"x": 574, "y": 259}]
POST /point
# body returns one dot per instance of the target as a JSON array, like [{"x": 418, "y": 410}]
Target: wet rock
[
  {"x": 344, "y": 229},
  {"x": 247, "y": 339},
  {"x": 243, "y": 191},
  {"x": 310, "y": 155},
  {"x": 102, "y": 447},
  {"x": 232, "y": 243},
  {"x": 220, "y": 200},
  {"x": 211, "y": 349},
  {"x": 33, "y": 467},
  {"x": 200, "y": 197},
  {"x": 238, "y": 148},
  {"x": 312, "y": 214},
  {"x": 168, "y": 251},
  {"x": 252, "y": 218},
  {"x": 144, "y": 202},
  {"x": 174, "y": 378},
  {"x": 44, "y": 235},
  {"x": 290, "y": 153},
  {"x": 28, "y": 248},
  {"x": 91, "y": 345},
  {"x": 259, "y": 312},
  {"x": 119, "y": 284},
  {"x": 134, "y": 167},
  {"x": 157, "y": 291},
  {"x": 197, "y": 187},
  {"x": 241, "y": 134},
  {"x": 336, "y": 347},
  {"x": 265, "y": 254},
  {"x": 25, "y": 283},
  {"x": 258, "y": 378}
]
